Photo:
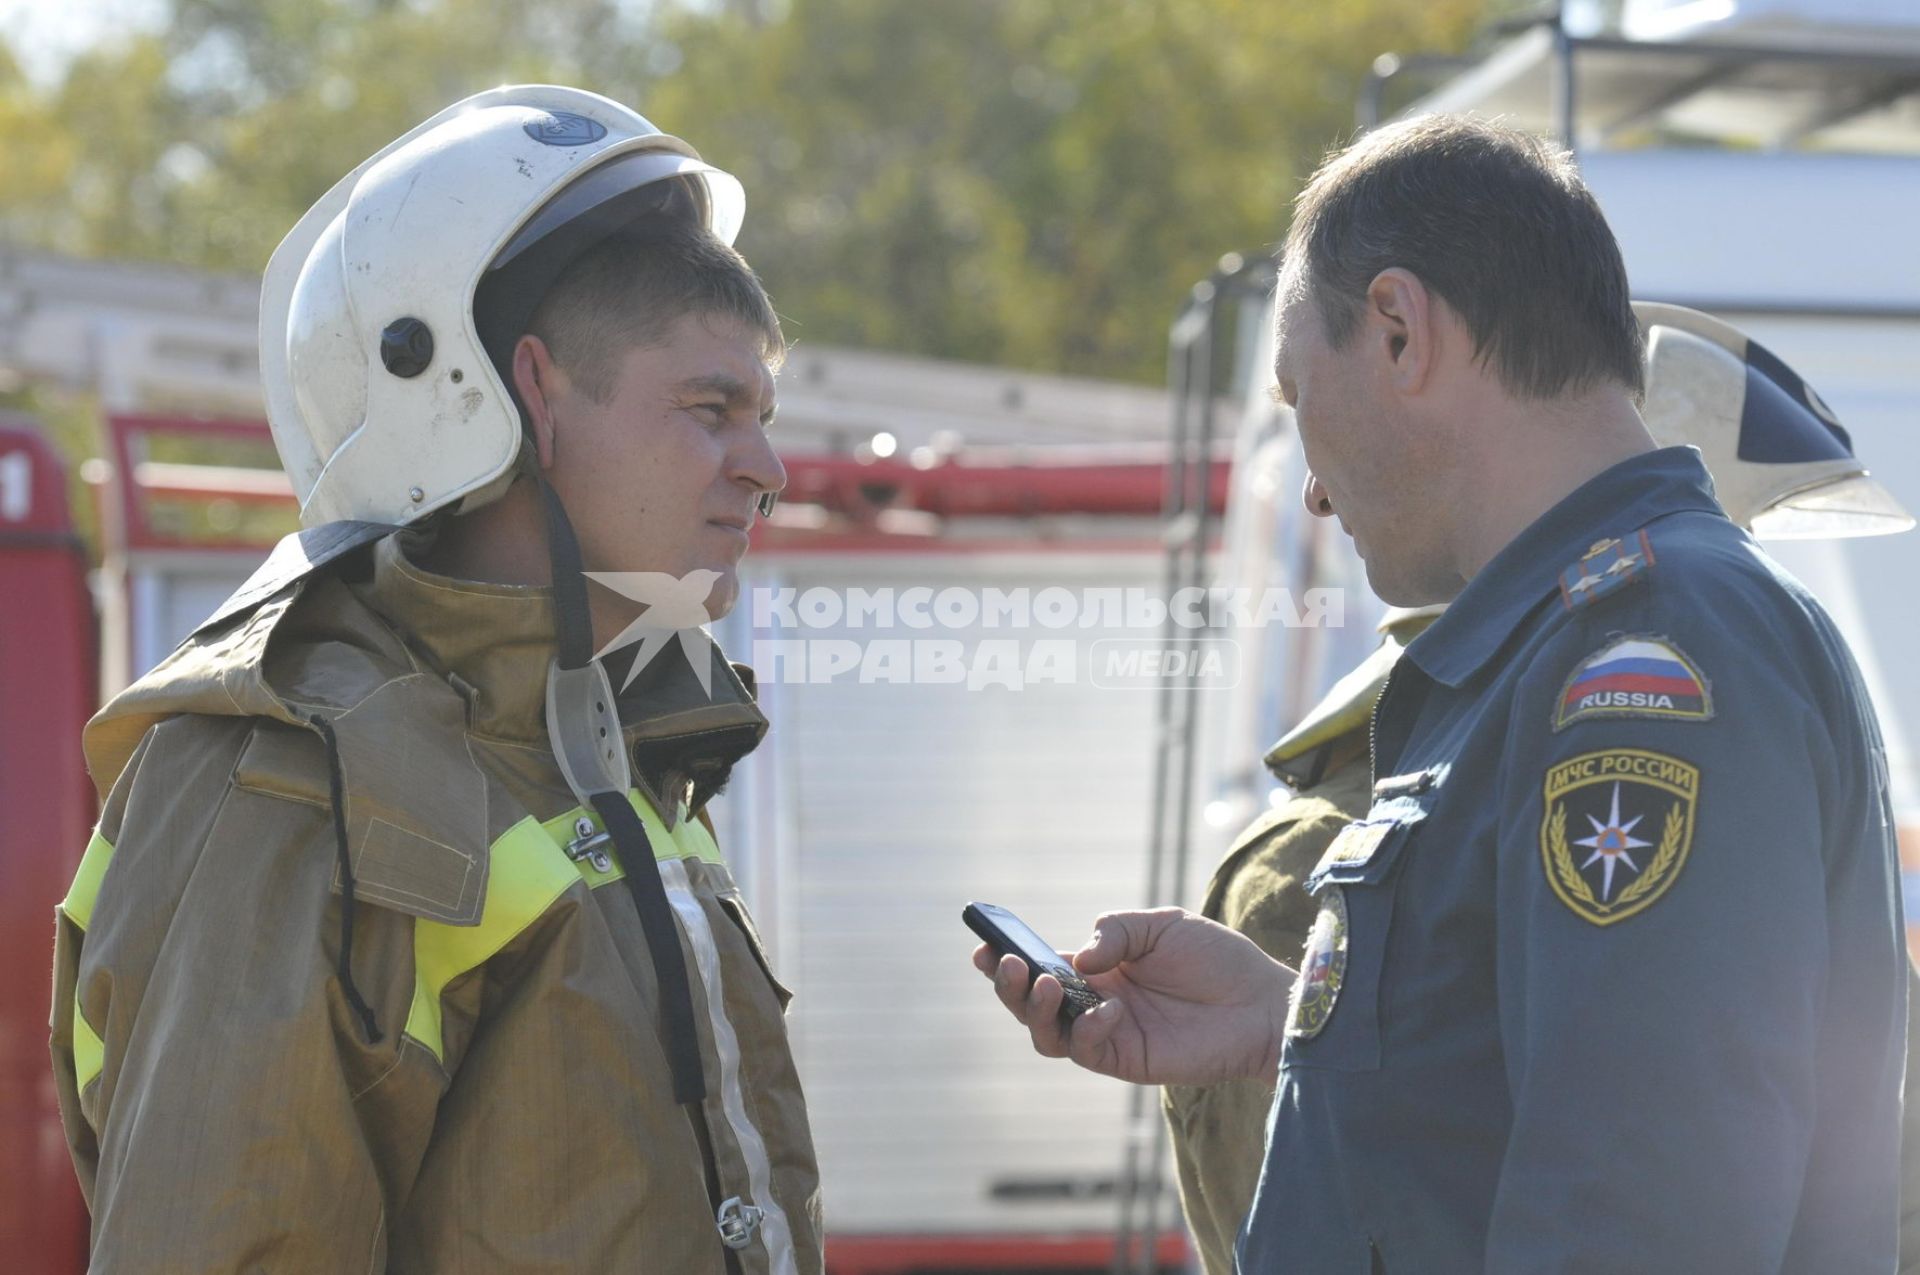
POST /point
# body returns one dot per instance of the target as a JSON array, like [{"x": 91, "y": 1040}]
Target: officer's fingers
[
  {"x": 1091, "y": 1043},
  {"x": 1043, "y": 1017},
  {"x": 1122, "y": 936},
  {"x": 1111, "y": 941},
  {"x": 985, "y": 960},
  {"x": 1010, "y": 985}
]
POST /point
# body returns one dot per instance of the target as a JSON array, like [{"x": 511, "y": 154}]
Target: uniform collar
[{"x": 1613, "y": 503}]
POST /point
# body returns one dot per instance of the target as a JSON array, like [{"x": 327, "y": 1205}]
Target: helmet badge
[{"x": 564, "y": 128}]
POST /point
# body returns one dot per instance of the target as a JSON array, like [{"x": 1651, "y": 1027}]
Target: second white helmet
[{"x": 1782, "y": 465}]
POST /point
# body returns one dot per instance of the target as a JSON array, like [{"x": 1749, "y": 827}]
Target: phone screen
[
  {"x": 1008, "y": 935},
  {"x": 1034, "y": 950}
]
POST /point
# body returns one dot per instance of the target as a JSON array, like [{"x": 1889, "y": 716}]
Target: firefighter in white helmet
[
  {"x": 403, "y": 941},
  {"x": 1780, "y": 464}
]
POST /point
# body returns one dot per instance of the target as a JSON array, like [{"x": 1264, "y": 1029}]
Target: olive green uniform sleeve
[
  {"x": 1219, "y": 1131},
  {"x": 226, "y": 1109}
]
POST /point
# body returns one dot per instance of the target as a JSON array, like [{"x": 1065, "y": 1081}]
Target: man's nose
[
  {"x": 1319, "y": 504},
  {"x": 759, "y": 466}
]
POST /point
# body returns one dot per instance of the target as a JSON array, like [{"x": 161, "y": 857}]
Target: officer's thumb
[{"x": 1117, "y": 937}]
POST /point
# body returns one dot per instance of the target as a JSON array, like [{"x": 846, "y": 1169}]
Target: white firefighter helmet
[
  {"x": 385, "y": 389},
  {"x": 1782, "y": 465}
]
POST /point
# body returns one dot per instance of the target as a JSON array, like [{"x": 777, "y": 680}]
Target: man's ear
[
  {"x": 1399, "y": 316},
  {"x": 538, "y": 379}
]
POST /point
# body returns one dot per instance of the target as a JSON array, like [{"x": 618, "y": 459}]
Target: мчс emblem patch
[
  {"x": 1322, "y": 969},
  {"x": 1637, "y": 676},
  {"x": 1616, "y": 831}
]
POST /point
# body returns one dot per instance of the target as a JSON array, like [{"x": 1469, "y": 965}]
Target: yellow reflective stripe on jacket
[
  {"x": 693, "y": 837},
  {"x": 89, "y": 1053},
  {"x": 688, "y": 841},
  {"x": 78, "y": 905},
  {"x": 528, "y": 870}
]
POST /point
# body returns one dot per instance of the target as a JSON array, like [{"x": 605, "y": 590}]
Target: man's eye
[{"x": 715, "y": 413}]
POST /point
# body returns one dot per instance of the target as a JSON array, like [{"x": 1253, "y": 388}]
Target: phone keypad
[{"x": 1077, "y": 998}]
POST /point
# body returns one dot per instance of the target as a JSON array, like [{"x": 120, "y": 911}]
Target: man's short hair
[
  {"x": 1495, "y": 222},
  {"x": 630, "y": 289}
]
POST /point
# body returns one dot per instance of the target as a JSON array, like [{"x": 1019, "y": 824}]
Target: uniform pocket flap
[{"x": 1361, "y": 853}]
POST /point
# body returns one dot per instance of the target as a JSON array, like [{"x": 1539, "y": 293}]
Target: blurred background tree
[{"x": 1027, "y": 182}]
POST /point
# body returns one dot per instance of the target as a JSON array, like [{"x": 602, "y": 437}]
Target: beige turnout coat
[{"x": 509, "y": 1106}]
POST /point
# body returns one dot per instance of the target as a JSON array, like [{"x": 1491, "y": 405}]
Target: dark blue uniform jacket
[{"x": 1610, "y": 978}]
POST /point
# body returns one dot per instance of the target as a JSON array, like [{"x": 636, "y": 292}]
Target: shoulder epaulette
[{"x": 1610, "y": 566}]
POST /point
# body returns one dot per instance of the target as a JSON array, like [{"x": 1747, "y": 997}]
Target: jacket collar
[
  {"x": 495, "y": 643},
  {"x": 1496, "y": 602},
  {"x": 491, "y": 641},
  {"x": 406, "y": 667}
]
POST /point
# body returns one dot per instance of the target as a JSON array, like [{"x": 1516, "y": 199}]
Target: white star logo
[
  {"x": 1610, "y": 843},
  {"x": 1624, "y": 564},
  {"x": 1584, "y": 583},
  {"x": 676, "y": 608}
]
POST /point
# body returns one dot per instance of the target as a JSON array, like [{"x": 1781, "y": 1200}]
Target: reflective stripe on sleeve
[
  {"x": 78, "y": 905},
  {"x": 89, "y": 1053}
]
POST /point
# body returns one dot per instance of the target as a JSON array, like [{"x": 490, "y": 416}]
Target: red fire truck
[{"x": 47, "y": 647}]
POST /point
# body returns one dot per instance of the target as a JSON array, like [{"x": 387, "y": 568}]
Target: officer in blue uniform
[
  {"x": 1563, "y": 989},
  {"x": 1610, "y": 977},
  {"x": 1776, "y": 455}
]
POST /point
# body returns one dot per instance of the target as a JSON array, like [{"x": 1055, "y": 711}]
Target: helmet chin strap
[{"x": 583, "y": 725}]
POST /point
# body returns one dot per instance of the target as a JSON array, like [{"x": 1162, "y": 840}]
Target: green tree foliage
[
  {"x": 201, "y": 144},
  {"x": 1035, "y": 184},
  {"x": 1029, "y": 182}
]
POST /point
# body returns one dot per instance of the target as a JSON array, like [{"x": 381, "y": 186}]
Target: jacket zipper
[{"x": 775, "y": 1233}]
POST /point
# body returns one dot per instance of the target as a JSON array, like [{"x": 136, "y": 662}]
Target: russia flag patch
[{"x": 1641, "y": 676}]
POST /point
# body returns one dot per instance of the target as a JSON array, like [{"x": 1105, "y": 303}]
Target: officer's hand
[{"x": 1187, "y": 1001}]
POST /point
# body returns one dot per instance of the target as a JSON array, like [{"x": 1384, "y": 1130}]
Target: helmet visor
[{"x": 1852, "y": 505}]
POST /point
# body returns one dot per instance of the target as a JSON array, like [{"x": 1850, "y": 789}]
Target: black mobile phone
[{"x": 1008, "y": 935}]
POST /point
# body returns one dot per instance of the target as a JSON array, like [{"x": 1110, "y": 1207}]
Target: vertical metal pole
[
  {"x": 112, "y": 343},
  {"x": 1187, "y": 340},
  {"x": 1565, "y": 102},
  {"x": 1168, "y": 869},
  {"x": 1188, "y": 528}
]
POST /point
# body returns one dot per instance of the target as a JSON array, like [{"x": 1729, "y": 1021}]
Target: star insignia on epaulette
[{"x": 1610, "y": 565}]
